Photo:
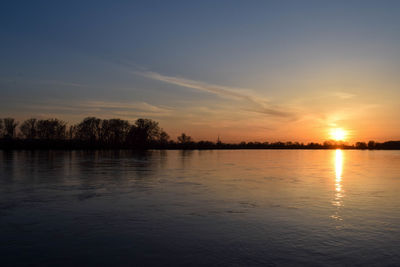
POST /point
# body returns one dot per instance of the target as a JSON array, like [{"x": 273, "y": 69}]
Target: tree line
[
  {"x": 90, "y": 132},
  {"x": 95, "y": 133}
]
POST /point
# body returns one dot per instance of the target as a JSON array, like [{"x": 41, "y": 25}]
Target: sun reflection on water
[
  {"x": 338, "y": 199},
  {"x": 338, "y": 169}
]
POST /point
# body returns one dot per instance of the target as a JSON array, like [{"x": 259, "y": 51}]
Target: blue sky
[{"x": 246, "y": 70}]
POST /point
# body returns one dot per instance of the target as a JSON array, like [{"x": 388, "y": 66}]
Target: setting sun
[{"x": 338, "y": 134}]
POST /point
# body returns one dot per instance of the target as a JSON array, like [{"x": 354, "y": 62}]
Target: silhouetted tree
[
  {"x": 143, "y": 133},
  {"x": 388, "y": 145},
  {"x": 28, "y": 128},
  {"x": 71, "y": 132},
  {"x": 9, "y": 127},
  {"x": 1, "y": 127},
  {"x": 371, "y": 144},
  {"x": 163, "y": 138},
  {"x": 361, "y": 145},
  {"x": 88, "y": 130},
  {"x": 51, "y": 129},
  {"x": 114, "y": 131},
  {"x": 184, "y": 139}
]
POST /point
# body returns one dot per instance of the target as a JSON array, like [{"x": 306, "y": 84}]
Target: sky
[{"x": 241, "y": 70}]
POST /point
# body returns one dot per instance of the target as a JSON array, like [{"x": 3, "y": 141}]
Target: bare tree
[
  {"x": 163, "y": 137},
  {"x": 144, "y": 132},
  {"x": 9, "y": 127},
  {"x": 184, "y": 139},
  {"x": 71, "y": 133},
  {"x": 114, "y": 131},
  {"x": 28, "y": 128},
  {"x": 361, "y": 145},
  {"x": 51, "y": 129},
  {"x": 1, "y": 127},
  {"x": 89, "y": 129},
  {"x": 371, "y": 144}
]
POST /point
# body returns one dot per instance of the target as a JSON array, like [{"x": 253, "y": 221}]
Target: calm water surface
[{"x": 230, "y": 208}]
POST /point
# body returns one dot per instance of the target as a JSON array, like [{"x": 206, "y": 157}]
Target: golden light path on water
[
  {"x": 338, "y": 169},
  {"x": 338, "y": 199}
]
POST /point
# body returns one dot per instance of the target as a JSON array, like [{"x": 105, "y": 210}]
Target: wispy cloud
[
  {"x": 258, "y": 104},
  {"x": 138, "y": 106},
  {"x": 22, "y": 79},
  {"x": 337, "y": 117},
  {"x": 62, "y": 83},
  {"x": 127, "y": 110},
  {"x": 224, "y": 91},
  {"x": 343, "y": 95}
]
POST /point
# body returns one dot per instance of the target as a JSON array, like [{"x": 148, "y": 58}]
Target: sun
[{"x": 338, "y": 134}]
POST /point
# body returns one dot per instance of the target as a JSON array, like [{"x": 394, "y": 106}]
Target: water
[{"x": 231, "y": 208}]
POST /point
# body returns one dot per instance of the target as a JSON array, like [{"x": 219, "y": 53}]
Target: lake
[{"x": 217, "y": 207}]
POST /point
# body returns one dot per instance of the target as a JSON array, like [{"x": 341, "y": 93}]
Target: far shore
[
  {"x": 96, "y": 133},
  {"x": 64, "y": 144}
]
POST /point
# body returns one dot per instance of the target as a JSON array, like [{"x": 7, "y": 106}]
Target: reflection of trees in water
[
  {"x": 112, "y": 166},
  {"x": 85, "y": 174},
  {"x": 29, "y": 178},
  {"x": 85, "y": 168},
  {"x": 35, "y": 166},
  {"x": 185, "y": 156},
  {"x": 8, "y": 166}
]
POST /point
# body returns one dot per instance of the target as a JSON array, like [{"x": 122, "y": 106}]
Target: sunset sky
[{"x": 243, "y": 70}]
